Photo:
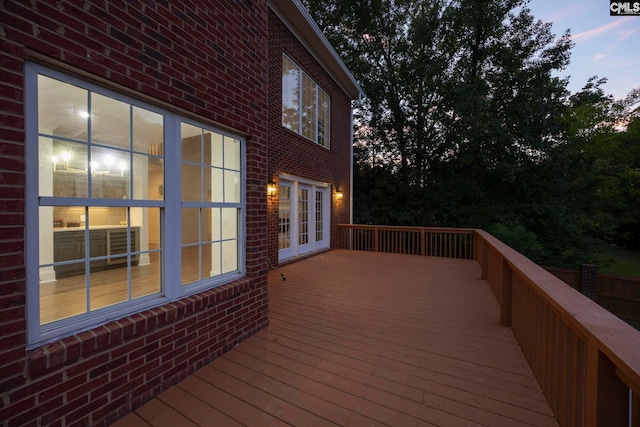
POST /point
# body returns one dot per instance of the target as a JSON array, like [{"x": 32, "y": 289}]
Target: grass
[{"x": 617, "y": 262}]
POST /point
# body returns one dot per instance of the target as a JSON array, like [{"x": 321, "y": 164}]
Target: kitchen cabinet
[{"x": 70, "y": 245}]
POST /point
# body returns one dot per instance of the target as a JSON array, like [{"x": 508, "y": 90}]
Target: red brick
[
  {"x": 222, "y": 78},
  {"x": 85, "y": 366}
]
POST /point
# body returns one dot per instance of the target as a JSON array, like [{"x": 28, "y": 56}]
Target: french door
[{"x": 304, "y": 217}]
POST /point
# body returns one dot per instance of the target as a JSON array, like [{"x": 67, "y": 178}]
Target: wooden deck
[{"x": 365, "y": 339}]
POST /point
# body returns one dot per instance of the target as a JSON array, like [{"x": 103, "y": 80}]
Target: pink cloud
[{"x": 586, "y": 35}]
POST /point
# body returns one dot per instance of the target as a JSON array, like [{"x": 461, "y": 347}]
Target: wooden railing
[
  {"x": 586, "y": 360},
  {"x": 426, "y": 241},
  {"x": 620, "y": 295}
]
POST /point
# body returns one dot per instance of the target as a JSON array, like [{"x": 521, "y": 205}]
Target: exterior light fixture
[
  {"x": 271, "y": 188},
  {"x": 339, "y": 194}
]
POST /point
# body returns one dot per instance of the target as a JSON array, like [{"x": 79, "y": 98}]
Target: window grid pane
[
  {"x": 210, "y": 175},
  {"x": 305, "y": 106},
  {"x": 290, "y": 94},
  {"x": 308, "y": 108},
  {"x": 323, "y": 118},
  {"x": 90, "y": 256}
]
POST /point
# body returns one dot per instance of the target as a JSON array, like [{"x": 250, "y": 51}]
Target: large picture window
[
  {"x": 305, "y": 106},
  {"x": 109, "y": 178}
]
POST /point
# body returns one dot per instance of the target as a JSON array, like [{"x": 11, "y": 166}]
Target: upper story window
[
  {"x": 305, "y": 105},
  {"x": 129, "y": 206}
]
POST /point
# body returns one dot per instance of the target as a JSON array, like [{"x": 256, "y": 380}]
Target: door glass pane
[
  {"x": 319, "y": 215},
  {"x": 284, "y": 232},
  {"x": 303, "y": 217}
]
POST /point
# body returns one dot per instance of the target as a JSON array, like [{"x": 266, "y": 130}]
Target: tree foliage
[{"x": 465, "y": 123}]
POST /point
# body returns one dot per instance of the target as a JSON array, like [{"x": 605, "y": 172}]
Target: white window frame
[
  {"x": 302, "y": 75},
  {"x": 170, "y": 214}
]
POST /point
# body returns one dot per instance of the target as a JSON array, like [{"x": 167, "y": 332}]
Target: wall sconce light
[
  {"x": 339, "y": 194},
  {"x": 271, "y": 188}
]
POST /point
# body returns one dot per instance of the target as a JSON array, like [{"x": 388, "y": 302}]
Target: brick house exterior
[
  {"x": 215, "y": 63},
  {"x": 295, "y": 156}
]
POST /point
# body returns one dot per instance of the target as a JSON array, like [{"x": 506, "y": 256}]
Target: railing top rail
[
  {"x": 615, "y": 338},
  {"x": 407, "y": 228}
]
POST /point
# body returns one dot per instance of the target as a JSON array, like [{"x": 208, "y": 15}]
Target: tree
[
  {"x": 465, "y": 124},
  {"x": 602, "y": 157}
]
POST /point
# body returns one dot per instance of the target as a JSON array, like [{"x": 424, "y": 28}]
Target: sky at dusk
[{"x": 606, "y": 46}]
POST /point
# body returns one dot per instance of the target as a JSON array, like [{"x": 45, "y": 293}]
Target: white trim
[
  {"x": 351, "y": 165},
  {"x": 295, "y": 249},
  {"x": 32, "y": 215},
  {"x": 289, "y": 177}
]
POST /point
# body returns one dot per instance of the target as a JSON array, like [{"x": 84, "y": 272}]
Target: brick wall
[
  {"x": 206, "y": 58},
  {"x": 293, "y": 154}
]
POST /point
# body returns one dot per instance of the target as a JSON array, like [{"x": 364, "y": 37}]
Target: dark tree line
[{"x": 466, "y": 124}]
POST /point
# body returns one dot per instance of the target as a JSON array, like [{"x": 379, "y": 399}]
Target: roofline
[{"x": 298, "y": 20}]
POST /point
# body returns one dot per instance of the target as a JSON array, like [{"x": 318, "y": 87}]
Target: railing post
[
  {"x": 606, "y": 395},
  {"x": 484, "y": 265},
  {"x": 376, "y": 240},
  {"x": 507, "y": 294}
]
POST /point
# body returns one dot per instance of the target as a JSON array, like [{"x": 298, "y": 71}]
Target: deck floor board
[{"x": 362, "y": 339}]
